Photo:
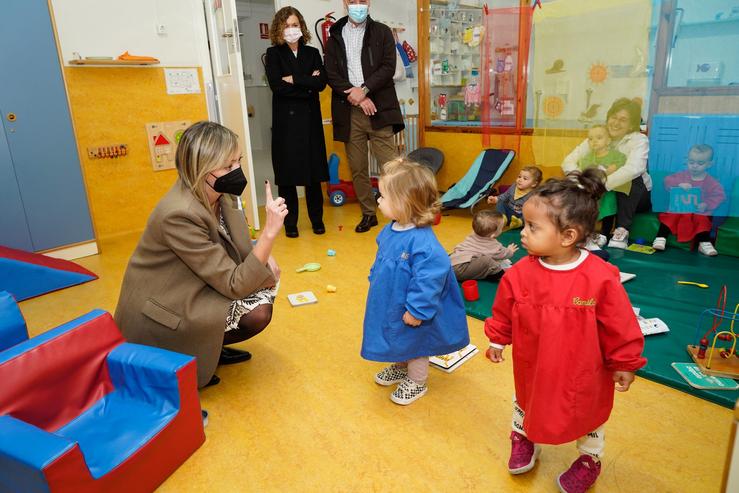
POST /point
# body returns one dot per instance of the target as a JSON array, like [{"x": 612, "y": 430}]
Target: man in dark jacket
[{"x": 360, "y": 63}]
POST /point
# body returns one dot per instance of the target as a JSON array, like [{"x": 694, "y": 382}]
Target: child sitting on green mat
[
  {"x": 510, "y": 203},
  {"x": 710, "y": 193},
  {"x": 481, "y": 255},
  {"x": 608, "y": 159}
]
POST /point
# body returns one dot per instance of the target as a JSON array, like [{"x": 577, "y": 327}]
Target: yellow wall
[
  {"x": 112, "y": 105},
  {"x": 461, "y": 149}
]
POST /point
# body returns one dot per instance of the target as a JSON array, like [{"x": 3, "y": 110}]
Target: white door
[{"x": 228, "y": 75}]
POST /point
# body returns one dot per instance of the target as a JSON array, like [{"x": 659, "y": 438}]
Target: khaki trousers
[{"x": 383, "y": 149}]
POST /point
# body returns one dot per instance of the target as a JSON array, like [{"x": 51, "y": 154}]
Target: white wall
[
  {"x": 258, "y": 95},
  {"x": 391, "y": 12},
  {"x": 108, "y": 28}
]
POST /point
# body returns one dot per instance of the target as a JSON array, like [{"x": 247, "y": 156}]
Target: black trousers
[
  {"x": 639, "y": 200},
  {"x": 313, "y": 197}
]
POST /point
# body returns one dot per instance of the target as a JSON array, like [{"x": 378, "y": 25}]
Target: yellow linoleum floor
[{"x": 305, "y": 415}]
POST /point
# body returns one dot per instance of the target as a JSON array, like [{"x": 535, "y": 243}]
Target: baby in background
[
  {"x": 602, "y": 155},
  {"x": 510, "y": 203},
  {"x": 481, "y": 255},
  {"x": 607, "y": 159}
]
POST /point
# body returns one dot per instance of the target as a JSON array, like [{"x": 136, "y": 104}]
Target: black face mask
[{"x": 233, "y": 182}]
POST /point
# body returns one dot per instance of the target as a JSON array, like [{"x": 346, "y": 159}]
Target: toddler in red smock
[{"x": 572, "y": 329}]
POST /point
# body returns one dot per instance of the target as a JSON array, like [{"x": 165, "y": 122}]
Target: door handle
[
  {"x": 229, "y": 34},
  {"x": 11, "y": 117}
]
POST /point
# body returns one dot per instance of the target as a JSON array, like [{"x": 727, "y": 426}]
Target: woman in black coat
[{"x": 296, "y": 76}]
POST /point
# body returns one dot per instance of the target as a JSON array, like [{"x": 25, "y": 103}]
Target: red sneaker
[
  {"x": 524, "y": 453},
  {"x": 580, "y": 476}
]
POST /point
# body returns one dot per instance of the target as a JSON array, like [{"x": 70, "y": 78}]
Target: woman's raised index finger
[{"x": 267, "y": 191}]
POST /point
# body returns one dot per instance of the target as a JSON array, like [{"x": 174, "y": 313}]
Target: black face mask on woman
[{"x": 233, "y": 182}]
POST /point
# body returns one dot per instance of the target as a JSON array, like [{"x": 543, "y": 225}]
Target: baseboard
[{"x": 74, "y": 251}]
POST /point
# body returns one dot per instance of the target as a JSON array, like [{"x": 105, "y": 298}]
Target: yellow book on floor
[{"x": 302, "y": 298}]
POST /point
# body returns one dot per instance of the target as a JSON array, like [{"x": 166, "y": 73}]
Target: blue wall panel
[{"x": 41, "y": 140}]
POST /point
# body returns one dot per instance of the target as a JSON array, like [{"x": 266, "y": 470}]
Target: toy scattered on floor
[
  {"x": 470, "y": 291},
  {"x": 634, "y": 247},
  {"x": 626, "y": 276},
  {"x": 695, "y": 378},
  {"x": 302, "y": 298},
  {"x": 341, "y": 227},
  {"x": 309, "y": 267},
  {"x": 331, "y": 253},
  {"x": 717, "y": 361},
  {"x": 452, "y": 361},
  {"x": 691, "y": 283},
  {"x": 649, "y": 326},
  {"x": 330, "y": 288}
]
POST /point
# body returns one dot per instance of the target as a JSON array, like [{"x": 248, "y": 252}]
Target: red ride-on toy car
[{"x": 340, "y": 190}]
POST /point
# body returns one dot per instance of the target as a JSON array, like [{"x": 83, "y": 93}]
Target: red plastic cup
[{"x": 469, "y": 290}]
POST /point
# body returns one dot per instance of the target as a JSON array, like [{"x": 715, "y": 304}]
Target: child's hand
[
  {"x": 513, "y": 248},
  {"x": 494, "y": 354},
  {"x": 611, "y": 169},
  {"x": 409, "y": 319},
  {"x": 623, "y": 380},
  {"x": 685, "y": 186},
  {"x": 492, "y": 199}
]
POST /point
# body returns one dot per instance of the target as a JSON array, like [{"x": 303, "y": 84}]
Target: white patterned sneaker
[
  {"x": 407, "y": 392},
  {"x": 620, "y": 239},
  {"x": 601, "y": 240},
  {"x": 706, "y": 248},
  {"x": 391, "y": 375}
]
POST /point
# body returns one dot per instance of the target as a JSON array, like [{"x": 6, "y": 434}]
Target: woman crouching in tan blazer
[{"x": 195, "y": 282}]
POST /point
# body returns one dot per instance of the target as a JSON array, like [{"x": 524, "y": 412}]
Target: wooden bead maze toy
[{"x": 720, "y": 361}]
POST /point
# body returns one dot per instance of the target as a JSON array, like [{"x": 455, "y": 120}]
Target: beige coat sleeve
[{"x": 188, "y": 237}]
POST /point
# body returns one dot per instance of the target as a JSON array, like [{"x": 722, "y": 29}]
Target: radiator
[{"x": 405, "y": 142}]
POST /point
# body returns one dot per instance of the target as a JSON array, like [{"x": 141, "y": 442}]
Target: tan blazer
[{"x": 184, "y": 274}]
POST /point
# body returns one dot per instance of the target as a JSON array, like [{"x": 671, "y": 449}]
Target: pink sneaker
[
  {"x": 524, "y": 453},
  {"x": 580, "y": 476}
]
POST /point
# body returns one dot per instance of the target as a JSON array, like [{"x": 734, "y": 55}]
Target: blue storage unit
[{"x": 43, "y": 203}]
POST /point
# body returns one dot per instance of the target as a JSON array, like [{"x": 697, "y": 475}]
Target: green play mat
[{"x": 656, "y": 292}]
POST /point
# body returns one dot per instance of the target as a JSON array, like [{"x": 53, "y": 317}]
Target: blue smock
[{"x": 412, "y": 272}]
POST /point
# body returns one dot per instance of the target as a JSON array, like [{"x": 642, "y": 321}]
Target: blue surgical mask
[{"x": 358, "y": 12}]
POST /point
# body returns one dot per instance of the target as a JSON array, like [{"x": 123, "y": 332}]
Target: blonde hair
[
  {"x": 278, "y": 26},
  {"x": 204, "y": 147},
  {"x": 411, "y": 187},
  {"x": 487, "y": 222}
]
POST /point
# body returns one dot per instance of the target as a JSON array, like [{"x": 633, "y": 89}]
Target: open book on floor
[{"x": 452, "y": 361}]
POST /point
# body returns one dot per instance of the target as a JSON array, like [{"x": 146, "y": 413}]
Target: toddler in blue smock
[{"x": 414, "y": 306}]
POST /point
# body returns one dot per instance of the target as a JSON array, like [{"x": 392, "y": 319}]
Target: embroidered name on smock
[{"x": 580, "y": 302}]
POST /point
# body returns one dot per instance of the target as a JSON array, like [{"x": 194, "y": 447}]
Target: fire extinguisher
[{"x": 325, "y": 22}]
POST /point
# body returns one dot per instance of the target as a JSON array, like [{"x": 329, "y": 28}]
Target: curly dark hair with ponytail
[{"x": 572, "y": 201}]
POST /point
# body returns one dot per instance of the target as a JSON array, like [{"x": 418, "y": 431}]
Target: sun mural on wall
[
  {"x": 598, "y": 73},
  {"x": 553, "y": 106}
]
